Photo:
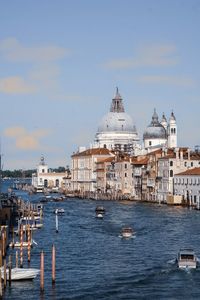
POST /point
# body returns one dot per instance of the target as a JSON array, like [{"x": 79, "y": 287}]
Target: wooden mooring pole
[
  {"x": 1, "y": 291},
  {"x": 10, "y": 268},
  {"x": 3, "y": 244},
  {"x": 5, "y": 274},
  {"x": 42, "y": 272},
  {"x": 29, "y": 244},
  {"x": 16, "y": 259},
  {"x": 21, "y": 247},
  {"x": 53, "y": 264},
  {"x": 1, "y": 262}
]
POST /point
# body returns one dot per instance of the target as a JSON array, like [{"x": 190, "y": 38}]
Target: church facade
[
  {"x": 117, "y": 131},
  {"x": 160, "y": 133}
]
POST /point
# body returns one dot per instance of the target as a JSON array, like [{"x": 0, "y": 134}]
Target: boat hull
[{"x": 21, "y": 274}]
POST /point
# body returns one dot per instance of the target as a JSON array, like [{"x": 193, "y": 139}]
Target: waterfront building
[
  {"x": 44, "y": 178},
  {"x": 187, "y": 185},
  {"x": 160, "y": 133},
  {"x": 83, "y": 170},
  {"x": 104, "y": 174},
  {"x": 173, "y": 161},
  {"x": 117, "y": 130},
  {"x": 120, "y": 176},
  {"x": 139, "y": 164}
]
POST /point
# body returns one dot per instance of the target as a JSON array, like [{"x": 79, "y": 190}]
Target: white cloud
[
  {"x": 25, "y": 140},
  {"x": 149, "y": 56},
  {"x": 16, "y": 85},
  {"x": 13, "y": 51}
]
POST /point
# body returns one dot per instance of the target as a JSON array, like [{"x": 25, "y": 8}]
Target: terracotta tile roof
[
  {"x": 194, "y": 171},
  {"x": 104, "y": 160},
  {"x": 93, "y": 151},
  {"x": 143, "y": 161}
]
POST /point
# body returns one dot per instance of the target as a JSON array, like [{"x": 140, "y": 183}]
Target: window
[
  {"x": 149, "y": 143},
  {"x": 57, "y": 182},
  {"x": 42, "y": 170},
  {"x": 125, "y": 174},
  {"x": 185, "y": 163},
  {"x": 125, "y": 166},
  {"x": 172, "y": 131},
  {"x": 45, "y": 183},
  {"x": 192, "y": 164},
  {"x": 104, "y": 145},
  {"x": 171, "y": 163},
  {"x": 171, "y": 173}
]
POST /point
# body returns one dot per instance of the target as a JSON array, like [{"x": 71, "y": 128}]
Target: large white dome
[
  {"x": 116, "y": 121},
  {"x": 116, "y": 129}
]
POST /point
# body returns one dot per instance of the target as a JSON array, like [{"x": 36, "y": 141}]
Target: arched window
[
  {"x": 45, "y": 183},
  {"x": 171, "y": 173},
  {"x": 171, "y": 163},
  {"x": 57, "y": 182}
]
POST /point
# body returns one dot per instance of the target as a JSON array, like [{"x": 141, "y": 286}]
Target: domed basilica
[{"x": 117, "y": 131}]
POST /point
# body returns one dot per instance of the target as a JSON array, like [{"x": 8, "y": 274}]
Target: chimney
[
  {"x": 188, "y": 153},
  {"x": 177, "y": 153},
  {"x": 181, "y": 154}
]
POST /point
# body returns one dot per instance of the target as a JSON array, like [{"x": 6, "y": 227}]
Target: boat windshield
[{"x": 187, "y": 256}]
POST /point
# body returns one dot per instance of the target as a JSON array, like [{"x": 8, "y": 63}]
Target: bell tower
[
  {"x": 42, "y": 167},
  {"x": 172, "y": 132}
]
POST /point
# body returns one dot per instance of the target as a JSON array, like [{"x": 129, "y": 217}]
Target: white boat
[
  {"x": 127, "y": 232},
  {"x": 31, "y": 218},
  {"x": 99, "y": 215},
  {"x": 100, "y": 209},
  {"x": 20, "y": 273},
  {"x": 17, "y": 244},
  {"x": 187, "y": 259},
  {"x": 59, "y": 211}
]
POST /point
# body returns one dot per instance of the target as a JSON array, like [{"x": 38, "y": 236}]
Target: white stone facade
[{"x": 188, "y": 186}]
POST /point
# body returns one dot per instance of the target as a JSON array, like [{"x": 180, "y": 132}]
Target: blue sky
[{"x": 60, "y": 63}]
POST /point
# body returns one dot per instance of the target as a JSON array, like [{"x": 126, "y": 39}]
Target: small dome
[
  {"x": 155, "y": 130},
  {"x": 120, "y": 121},
  {"x": 172, "y": 117}
]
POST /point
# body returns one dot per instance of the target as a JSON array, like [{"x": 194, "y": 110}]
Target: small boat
[
  {"x": 17, "y": 244},
  {"x": 100, "y": 209},
  {"x": 187, "y": 259},
  {"x": 99, "y": 215},
  {"x": 127, "y": 232},
  {"x": 20, "y": 273},
  {"x": 32, "y": 218},
  {"x": 59, "y": 211}
]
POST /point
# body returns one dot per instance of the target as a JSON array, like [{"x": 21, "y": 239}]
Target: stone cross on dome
[{"x": 117, "y": 104}]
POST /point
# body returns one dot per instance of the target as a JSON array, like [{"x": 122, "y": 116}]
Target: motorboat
[
  {"x": 20, "y": 273},
  {"x": 59, "y": 211},
  {"x": 187, "y": 259},
  {"x": 127, "y": 232},
  {"x": 99, "y": 215},
  {"x": 17, "y": 244},
  {"x": 100, "y": 209}
]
